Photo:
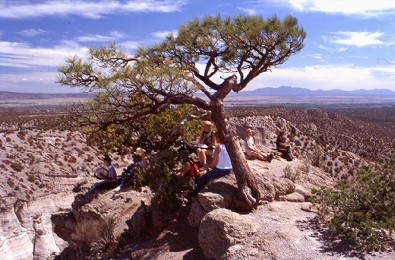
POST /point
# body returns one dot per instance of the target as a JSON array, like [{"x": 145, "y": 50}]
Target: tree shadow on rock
[
  {"x": 176, "y": 236},
  {"x": 332, "y": 242}
]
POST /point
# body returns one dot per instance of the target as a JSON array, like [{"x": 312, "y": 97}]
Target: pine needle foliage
[{"x": 169, "y": 190}]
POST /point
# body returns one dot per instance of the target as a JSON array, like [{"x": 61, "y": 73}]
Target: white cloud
[
  {"x": 95, "y": 38},
  {"x": 367, "y": 8},
  {"x": 347, "y": 77},
  {"x": 22, "y": 55},
  {"x": 87, "y": 9},
  {"x": 249, "y": 11},
  {"x": 163, "y": 34},
  {"x": 130, "y": 45},
  {"x": 31, "y": 32},
  {"x": 358, "y": 39}
]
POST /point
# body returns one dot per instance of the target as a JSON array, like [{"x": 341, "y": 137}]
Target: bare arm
[
  {"x": 214, "y": 141},
  {"x": 214, "y": 162},
  {"x": 251, "y": 147}
]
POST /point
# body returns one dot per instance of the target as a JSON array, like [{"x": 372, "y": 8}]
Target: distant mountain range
[
  {"x": 5, "y": 95},
  {"x": 261, "y": 92},
  {"x": 304, "y": 92}
]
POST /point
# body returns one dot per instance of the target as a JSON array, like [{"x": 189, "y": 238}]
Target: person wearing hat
[
  {"x": 207, "y": 143},
  {"x": 140, "y": 152},
  {"x": 130, "y": 172},
  {"x": 112, "y": 173},
  {"x": 108, "y": 173}
]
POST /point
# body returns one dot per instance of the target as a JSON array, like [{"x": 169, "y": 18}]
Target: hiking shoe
[{"x": 270, "y": 157}]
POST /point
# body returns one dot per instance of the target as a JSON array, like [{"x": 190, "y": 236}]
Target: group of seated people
[
  {"x": 211, "y": 145},
  {"x": 108, "y": 173}
]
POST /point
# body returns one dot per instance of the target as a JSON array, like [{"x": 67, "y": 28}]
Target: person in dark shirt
[
  {"x": 207, "y": 143},
  {"x": 284, "y": 146},
  {"x": 110, "y": 177}
]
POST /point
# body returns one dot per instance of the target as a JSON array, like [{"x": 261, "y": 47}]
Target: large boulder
[
  {"x": 210, "y": 201},
  {"x": 221, "y": 229},
  {"x": 266, "y": 187},
  {"x": 196, "y": 213},
  {"x": 219, "y": 193}
]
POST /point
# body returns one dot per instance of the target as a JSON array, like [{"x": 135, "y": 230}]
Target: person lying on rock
[
  {"x": 130, "y": 172},
  {"x": 108, "y": 173},
  {"x": 284, "y": 146},
  {"x": 252, "y": 150},
  {"x": 207, "y": 143},
  {"x": 221, "y": 165}
]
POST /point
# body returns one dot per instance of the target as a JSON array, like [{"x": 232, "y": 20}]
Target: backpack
[{"x": 194, "y": 172}]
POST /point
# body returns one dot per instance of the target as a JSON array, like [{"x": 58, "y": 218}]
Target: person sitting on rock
[
  {"x": 252, "y": 150},
  {"x": 221, "y": 165},
  {"x": 284, "y": 146},
  {"x": 130, "y": 172},
  {"x": 207, "y": 143},
  {"x": 189, "y": 166},
  {"x": 108, "y": 173}
]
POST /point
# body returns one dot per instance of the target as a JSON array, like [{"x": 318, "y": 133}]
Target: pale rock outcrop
[
  {"x": 306, "y": 193},
  {"x": 292, "y": 197},
  {"x": 283, "y": 186},
  {"x": 15, "y": 242},
  {"x": 26, "y": 227},
  {"x": 221, "y": 229},
  {"x": 45, "y": 241}
]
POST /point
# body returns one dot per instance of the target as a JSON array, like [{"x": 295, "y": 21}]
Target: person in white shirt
[
  {"x": 252, "y": 150},
  {"x": 221, "y": 165}
]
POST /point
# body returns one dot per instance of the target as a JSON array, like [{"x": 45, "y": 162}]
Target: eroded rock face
[
  {"x": 221, "y": 229},
  {"x": 26, "y": 227}
]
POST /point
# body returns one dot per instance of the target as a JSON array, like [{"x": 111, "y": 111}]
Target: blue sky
[{"x": 350, "y": 44}]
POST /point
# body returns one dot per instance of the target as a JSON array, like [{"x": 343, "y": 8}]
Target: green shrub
[
  {"x": 361, "y": 209},
  {"x": 16, "y": 166},
  {"x": 169, "y": 190},
  {"x": 32, "y": 178}
]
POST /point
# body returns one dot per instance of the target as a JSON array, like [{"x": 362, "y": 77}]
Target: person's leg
[
  {"x": 214, "y": 173},
  {"x": 255, "y": 155},
  {"x": 126, "y": 180},
  {"x": 203, "y": 181},
  {"x": 95, "y": 187},
  {"x": 201, "y": 155}
]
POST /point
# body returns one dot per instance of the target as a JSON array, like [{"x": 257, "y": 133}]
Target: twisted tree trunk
[{"x": 246, "y": 182}]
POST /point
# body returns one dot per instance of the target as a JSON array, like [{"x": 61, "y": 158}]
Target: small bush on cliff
[
  {"x": 362, "y": 209},
  {"x": 17, "y": 167},
  {"x": 95, "y": 236}
]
